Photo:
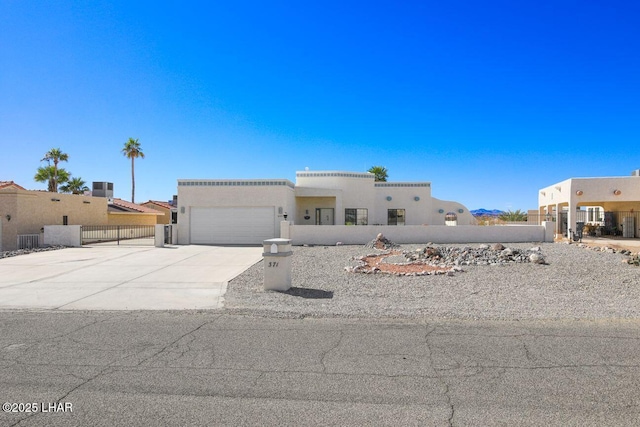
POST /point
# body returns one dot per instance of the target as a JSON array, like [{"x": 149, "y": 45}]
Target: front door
[{"x": 324, "y": 216}]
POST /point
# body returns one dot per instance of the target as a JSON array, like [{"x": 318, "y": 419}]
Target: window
[
  {"x": 395, "y": 217},
  {"x": 65, "y": 220},
  {"x": 356, "y": 216},
  {"x": 594, "y": 215},
  {"x": 451, "y": 216}
]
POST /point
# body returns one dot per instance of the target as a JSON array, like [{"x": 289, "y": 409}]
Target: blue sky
[{"x": 488, "y": 100}]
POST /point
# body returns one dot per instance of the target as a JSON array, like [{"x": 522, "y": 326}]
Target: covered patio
[{"x": 597, "y": 206}]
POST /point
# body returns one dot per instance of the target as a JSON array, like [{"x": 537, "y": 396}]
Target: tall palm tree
[
  {"x": 380, "y": 172},
  {"x": 56, "y": 155},
  {"x": 52, "y": 177},
  {"x": 74, "y": 186},
  {"x": 132, "y": 151}
]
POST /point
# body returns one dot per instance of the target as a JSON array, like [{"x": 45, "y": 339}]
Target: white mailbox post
[{"x": 277, "y": 264}]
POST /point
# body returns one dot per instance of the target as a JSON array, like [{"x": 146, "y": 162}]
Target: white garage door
[{"x": 232, "y": 225}]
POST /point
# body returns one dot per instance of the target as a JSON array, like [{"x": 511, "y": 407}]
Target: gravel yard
[{"x": 576, "y": 283}]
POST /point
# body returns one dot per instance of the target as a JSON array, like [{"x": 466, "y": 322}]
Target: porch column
[{"x": 571, "y": 220}]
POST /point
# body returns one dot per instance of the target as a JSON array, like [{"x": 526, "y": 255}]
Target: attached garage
[{"x": 232, "y": 225}]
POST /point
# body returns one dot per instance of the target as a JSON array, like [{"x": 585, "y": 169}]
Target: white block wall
[
  {"x": 409, "y": 234},
  {"x": 64, "y": 235}
]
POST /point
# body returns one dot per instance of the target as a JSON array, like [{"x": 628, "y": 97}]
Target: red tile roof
[
  {"x": 158, "y": 203},
  {"x": 133, "y": 207},
  {"x": 6, "y": 184}
]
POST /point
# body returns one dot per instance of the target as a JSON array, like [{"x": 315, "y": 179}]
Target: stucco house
[
  {"x": 122, "y": 212},
  {"x": 169, "y": 212},
  {"x": 25, "y": 213},
  {"x": 611, "y": 203},
  {"x": 248, "y": 211}
]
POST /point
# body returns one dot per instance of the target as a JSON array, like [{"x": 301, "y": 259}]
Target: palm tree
[
  {"x": 132, "y": 151},
  {"x": 56, "y": 155},
  {"x": 513, "y": 216},
  {"x": 52, "y": 176},
  {"x": 380, "y": 172},
  {"x": 74, "y": 186}
]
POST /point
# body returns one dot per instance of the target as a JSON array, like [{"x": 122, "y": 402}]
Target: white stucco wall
[
  {"x": 277, "y": 193},
  {"x": 411, "y": 234},
  {"x": 403, "y": 196},
  {"x": 591, "y": 191},
  {"x": 440, "y": 208},
  {"x": 64, "y": 235}
]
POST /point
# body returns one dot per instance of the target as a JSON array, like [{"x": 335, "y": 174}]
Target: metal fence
[
  {"x": 28, "y": 241},
  {"x": 117, "y": 234}
]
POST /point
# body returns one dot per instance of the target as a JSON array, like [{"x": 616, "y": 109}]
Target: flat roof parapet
[
  {"x": 311, "y": 174},
  {"x": 234, "y": 182},
  {"x": 403, "y": 184}
]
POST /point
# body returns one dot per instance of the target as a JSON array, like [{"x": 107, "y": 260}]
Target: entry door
[{"x": 324, "y": 216}]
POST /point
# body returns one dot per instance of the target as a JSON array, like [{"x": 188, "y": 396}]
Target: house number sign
[{"x": 272, "y": 264}]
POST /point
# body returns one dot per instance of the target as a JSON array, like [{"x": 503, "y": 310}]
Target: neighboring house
[
  {"x": 121, "y": 212},
  {"x": 26, "y": 212},
  {"x": 169, "y": 211},
  {"x": 612, "y": 202},
  {"x": 247, "y": 211},
  {"x": 10, "y": 184}
]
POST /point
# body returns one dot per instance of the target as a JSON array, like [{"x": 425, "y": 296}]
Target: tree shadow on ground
[{"x": 309, "y": 293}]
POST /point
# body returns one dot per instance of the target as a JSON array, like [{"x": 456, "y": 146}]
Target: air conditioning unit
[{"x": 102, "y": 189}]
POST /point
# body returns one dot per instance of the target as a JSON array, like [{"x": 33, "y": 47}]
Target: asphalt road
[{"x": 207, "y": 368}]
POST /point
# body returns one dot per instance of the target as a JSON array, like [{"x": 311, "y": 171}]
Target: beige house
[
  {"x": 121, "y": 212},
  {"x": 168, "y": 211},
  {"x": 248, "y": 211},
  {"x": 24, "y": 213},
  {"x": 612, "y": 204}
]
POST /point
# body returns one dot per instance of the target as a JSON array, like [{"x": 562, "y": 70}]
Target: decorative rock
[
  {"x": 445, "y": 256},
  {"x": 382, "y": 243},
  {"x": 8, "y": 254},
  {"x": 536, "y": 258},
  {"x": 506, "y": 252},
  {"x": 497, "y": 247}
]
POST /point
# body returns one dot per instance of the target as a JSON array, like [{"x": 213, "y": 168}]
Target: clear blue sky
[{"x": 488, "y": 100}]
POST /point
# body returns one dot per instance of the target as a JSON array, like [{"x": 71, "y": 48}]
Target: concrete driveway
[{"x": 123, "y": 278}]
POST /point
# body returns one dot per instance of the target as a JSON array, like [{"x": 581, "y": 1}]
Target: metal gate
[
  {"x": 28, "y": 241},
  {"x": 118, "y": 234}
]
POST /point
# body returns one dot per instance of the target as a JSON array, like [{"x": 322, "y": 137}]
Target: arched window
[{"x": 451, "y": 218}]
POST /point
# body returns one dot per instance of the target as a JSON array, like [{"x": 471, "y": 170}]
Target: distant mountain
[{"x": 484, "y": 212}]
